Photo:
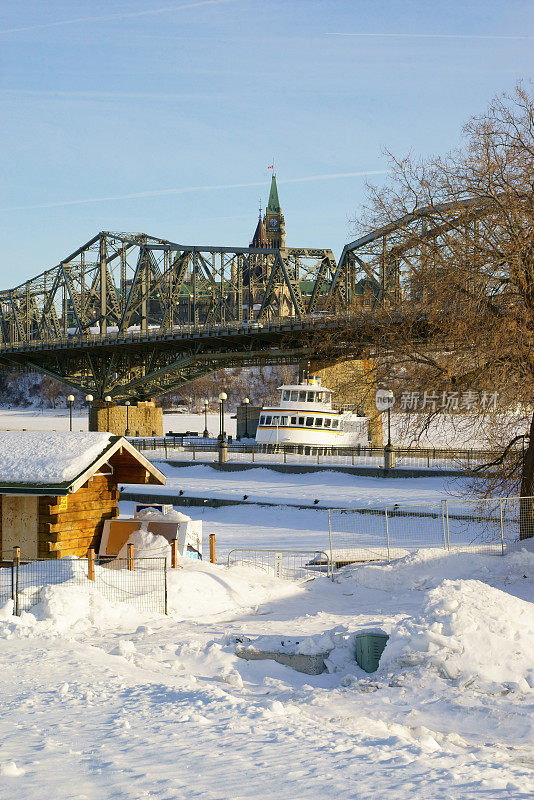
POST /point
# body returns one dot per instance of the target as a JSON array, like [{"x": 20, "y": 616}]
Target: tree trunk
[{"x": 526, "y": 507}]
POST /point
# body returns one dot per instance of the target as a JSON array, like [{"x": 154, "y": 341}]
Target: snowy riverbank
[{"x": 112, "y": 703}]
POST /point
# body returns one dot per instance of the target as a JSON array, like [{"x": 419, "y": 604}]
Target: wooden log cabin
[{"x": 57, "y": 489}]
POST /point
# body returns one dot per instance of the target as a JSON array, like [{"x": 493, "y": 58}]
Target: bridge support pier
[
  {"x": 353, "y": 381},
  {"x": 144, "y": 418}
]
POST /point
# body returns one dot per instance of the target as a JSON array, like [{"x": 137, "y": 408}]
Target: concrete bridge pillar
[
  {"x": 144, "y": 418},
  {"x": 353, "y": 381}
]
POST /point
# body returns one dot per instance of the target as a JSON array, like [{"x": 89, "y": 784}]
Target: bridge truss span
[{"x": 129, "y": 314}]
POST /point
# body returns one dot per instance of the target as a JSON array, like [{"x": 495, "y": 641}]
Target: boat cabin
[{"x": 307, "y": 422}]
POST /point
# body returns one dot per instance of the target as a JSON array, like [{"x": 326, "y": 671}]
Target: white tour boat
[{"x": 307, "y": 422}]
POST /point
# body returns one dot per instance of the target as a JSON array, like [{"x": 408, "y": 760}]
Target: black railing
[{"x": 190, "y": 444}]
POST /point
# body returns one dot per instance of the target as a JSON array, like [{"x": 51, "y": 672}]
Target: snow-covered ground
[
  {"x": 100, "y": 701},
  {"x": 331, "y": 488},
  {"x": 251, "y": 526},
  {"x": 58, "y": 420}
]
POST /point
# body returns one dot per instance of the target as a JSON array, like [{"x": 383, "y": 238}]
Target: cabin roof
[{"x": 45, "y": 462}]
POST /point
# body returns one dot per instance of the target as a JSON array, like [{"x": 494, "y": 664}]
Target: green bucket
[{"x": 369, "y": 648}]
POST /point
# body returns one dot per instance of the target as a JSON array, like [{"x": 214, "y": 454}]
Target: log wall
[{"x": 71, "y": 525}]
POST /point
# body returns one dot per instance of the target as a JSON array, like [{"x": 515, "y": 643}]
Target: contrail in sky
[
  {"x": 127, "y": 15},
  {"x": 189, "y": 189},
  {"x": 431, "y": 35}
]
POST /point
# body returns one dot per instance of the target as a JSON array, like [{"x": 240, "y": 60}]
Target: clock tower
[{"x": 273, "y": 220}]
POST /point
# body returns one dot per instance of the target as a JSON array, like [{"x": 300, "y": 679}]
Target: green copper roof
[{"x": 273, "y": 206}]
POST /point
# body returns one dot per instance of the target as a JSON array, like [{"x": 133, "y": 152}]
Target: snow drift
[{"x": 470, "y": 633}]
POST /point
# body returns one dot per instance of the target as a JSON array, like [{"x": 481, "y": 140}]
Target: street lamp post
[
  {"x": 70, "y": 401},
  {"x": 107, "y": 400},
  {"x": 246, "y": 401},
  {"x": 223, "y": 447},
  {"x": 389, "y": 453},
  {"x": 127, "y": 431},
  {"x": 206, "y": 432},
  {"x": 89, "y": 399}
]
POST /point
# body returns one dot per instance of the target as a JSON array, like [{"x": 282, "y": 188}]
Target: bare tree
[{"x": 456, "y": 312}]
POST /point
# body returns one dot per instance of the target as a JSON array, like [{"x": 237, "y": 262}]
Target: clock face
[{"x": 273, "y": 223}]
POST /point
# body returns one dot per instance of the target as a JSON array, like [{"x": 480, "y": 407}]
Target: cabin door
[{"x": 20, "y": 525}]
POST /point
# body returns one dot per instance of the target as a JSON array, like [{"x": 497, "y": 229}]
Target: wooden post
[
  {"x": 130, "y": 556},
  {"x": 212, "y": 549},
  {"x": 174, "y": 553},
  {"x": 91, "y": 564}
]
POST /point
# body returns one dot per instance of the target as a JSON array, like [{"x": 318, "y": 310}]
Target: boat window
[
  {"x": 293, "y": 420},
  {"x": 301, "y": 420},
  {"x": 294, "y": 396},
  {"x": 335, "y": 423},
  {"x": 302, "y": 396},
  {"x": 318, "y": 422},
  {"x": 276, "y": 420},
  {"x": 262, "y": 419},
  {"x": 311, "y": 397},
  {"x": 286, "y": 395},
  {"x": 309, "y": 421},
  {"x": 268, "y": 420},
  {"x": 327, "y": 422},
  {"x": 319, "y": 397},
  {"x": 283, "y": 420}
]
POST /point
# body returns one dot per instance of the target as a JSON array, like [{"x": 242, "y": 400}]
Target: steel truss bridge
[{"x": 134, "y": 316}]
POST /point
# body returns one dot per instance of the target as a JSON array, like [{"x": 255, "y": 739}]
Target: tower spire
[{"x": 273, "y": 206}]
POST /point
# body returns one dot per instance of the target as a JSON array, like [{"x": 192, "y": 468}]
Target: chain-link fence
[
  {"x": 294, "y": 565},
  {"x": 140, "y": 582},
  {"x": 493, "y": 526}
]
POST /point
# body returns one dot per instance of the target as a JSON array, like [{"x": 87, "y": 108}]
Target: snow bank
[
  {"x": 196, "y": 590},
  {"x": 67, "y": 607},
  {"x": 201, "y": 589},
  {"x": 153, "y": 515},
  {"x": 470, "y": 633},
  {"x": 43, "y": 457},
  {"x": 426, "y": 569},
  {"x": 147, "y": 545}
]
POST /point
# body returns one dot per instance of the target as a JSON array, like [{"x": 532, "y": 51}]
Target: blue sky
[{"x": 172, "y": 102}]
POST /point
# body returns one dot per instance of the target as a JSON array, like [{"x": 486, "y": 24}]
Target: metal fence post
[
  {"x": 330, "y": 541},
  {"x": 193, "y": 452},
  {"x": 502, "y": 526},
  {"x": 15, "y": 591},
  {"x": 387, "y": 531},
  {"x": 165, "y": 444},
  {"x": 447, "y": 523},
  {"x": 165, "y": 583},
  {"x": 444, "y": 524}
]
